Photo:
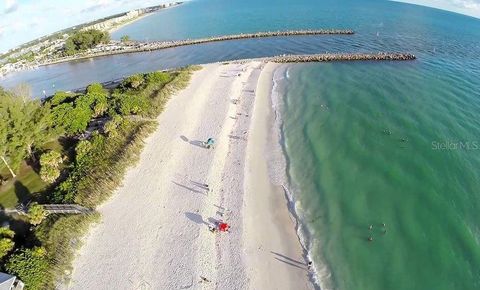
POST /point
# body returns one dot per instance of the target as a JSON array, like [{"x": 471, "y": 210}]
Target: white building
[{"x": 9, "y": 282}]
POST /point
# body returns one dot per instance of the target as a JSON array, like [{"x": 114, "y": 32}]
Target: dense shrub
[
  {"x": 128, "y": 104},
  {"x": 101, "y": 162},
  {"x": 133, "y": 82},
  {"x": 72, "y": 119},
  {"x": 60, "y": 97},
  {"x": 160, "y": 92},
  {"x": 158, "y": 77},
  {"x": 50, "y": 163},
  {"x": 61, "y": 236},
  {"x": 6, "y": 241},
  {"x": 97, "y": 96},
  {"x": 36, "y": 213},
  {"x": 31, "y": 266},
  {"x": 112, "y": 125}
]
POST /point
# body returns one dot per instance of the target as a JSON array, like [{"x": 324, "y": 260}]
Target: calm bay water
[
  {"x": 363, "y": 138},
  {"x": 379, "y": 26}
]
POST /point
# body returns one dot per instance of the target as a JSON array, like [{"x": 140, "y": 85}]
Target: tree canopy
[
  {"x": 72, "y": 113},
  {"x": 31, "y": 266},
  {"x": 36, "y": 213},
  {"x": 26, "y": 124},
  {"x": 85, "y": 39}
]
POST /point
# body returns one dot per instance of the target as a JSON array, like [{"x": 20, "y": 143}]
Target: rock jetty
[
  {"x": 168, "y": 44},
  {"x": 116, "y": 47},
  {"x": 339, "y": 57}
]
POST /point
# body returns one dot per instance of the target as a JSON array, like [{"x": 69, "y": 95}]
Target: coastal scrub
[{"x": 101, "y": 133}]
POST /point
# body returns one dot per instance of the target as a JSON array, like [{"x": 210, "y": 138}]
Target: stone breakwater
[
  {"x": 299, "y": 59},
  {"x": 254, "y": 35},
  {"x": 132, "y": 47},
  {"x": 339, "y": 57}
]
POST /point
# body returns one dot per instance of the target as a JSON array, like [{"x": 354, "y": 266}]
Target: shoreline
[
  {"x": 279, "y": 173},
  {"x": 267, "y": 200},
  {"x": 153, "y": 232},
  {"x": 115, "y": 28},
  {"x": 128, "y": 22}
]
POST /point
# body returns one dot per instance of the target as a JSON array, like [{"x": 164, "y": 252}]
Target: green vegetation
[
  {"x": 70, "y": 148},
  {"x": 6, "y": 241},
  {"x": 72, "y": 113},
  {"x": 28, "y": 57},
  {"x": 85, "y": 39},
  {"x": 61, "y": 237},
  {"x": 125, "y": 38},
  {"x": 36, "y": 214},
  {"x": 31, "y": 266},
  {"x": 26, "y": 125},
  {"x": 15, "y": 191},
  {"x": 50, "y": 166}
]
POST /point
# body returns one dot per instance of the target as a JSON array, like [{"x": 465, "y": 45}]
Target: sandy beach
[
  {"x": 121, "y": 25},
  {"x": 154, "y": 231}
]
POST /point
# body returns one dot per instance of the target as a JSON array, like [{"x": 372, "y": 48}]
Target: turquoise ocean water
[
  {"x": 367, "y": 142},
  {"x": 381, "y": 143}
]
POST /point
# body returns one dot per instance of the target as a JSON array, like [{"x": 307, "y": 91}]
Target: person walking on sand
[
  {"x": 212, "y": 229},
  {"x": 210, "y": 142}
]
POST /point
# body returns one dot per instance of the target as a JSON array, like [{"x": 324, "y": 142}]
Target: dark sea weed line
[{"x": 157, "y": 45}]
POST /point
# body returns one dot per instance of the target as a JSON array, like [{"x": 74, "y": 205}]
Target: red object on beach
[{"x": 223, "y": 227}]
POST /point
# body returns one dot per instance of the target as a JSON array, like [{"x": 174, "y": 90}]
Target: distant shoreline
[
  {"x": 120, "y": 26},
  {"x": 52, "y": 44}
]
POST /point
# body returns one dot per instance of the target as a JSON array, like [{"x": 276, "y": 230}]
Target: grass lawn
[
  {"x": 27, "y": 182},
  {"x": 20, "y": 189}
]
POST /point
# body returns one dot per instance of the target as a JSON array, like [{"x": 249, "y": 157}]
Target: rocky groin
[
  {"x": 134, "y": 46},
  {"x": 339, "y": 57}
]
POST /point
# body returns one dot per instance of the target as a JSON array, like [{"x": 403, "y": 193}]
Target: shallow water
[{"x": 365, "y": 145}]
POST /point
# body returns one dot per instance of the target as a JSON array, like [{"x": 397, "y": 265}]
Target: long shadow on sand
[
  {"x": 197, "y": 143},
  {"x": 289, "y": 261},
  {"x": 196, "y": 218},
  {"x": 189, "y": 188},
  {"x": 291, "y": 264}
]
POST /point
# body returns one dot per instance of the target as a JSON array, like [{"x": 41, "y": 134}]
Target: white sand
[{"x": 153, "y": 233}]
